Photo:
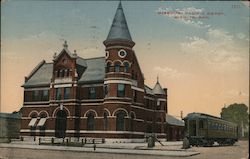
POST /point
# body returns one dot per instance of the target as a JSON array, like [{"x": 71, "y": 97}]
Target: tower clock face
[
  {"x": 122, "y": 53},
  {"x": 107, "y": 54}
]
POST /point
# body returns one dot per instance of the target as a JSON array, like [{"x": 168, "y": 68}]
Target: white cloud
[
  {"x": 242, "y": 36},
  {"x": 218, "y": 49},
  {"x": 189, "y": 16},
  {"x": 169, "y": 72}
]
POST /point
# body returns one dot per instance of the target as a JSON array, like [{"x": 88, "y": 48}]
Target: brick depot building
[{"x": 101, "y": 97}]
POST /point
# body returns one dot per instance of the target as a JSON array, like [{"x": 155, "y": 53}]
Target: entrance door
[{"x": 61, "y": 124}]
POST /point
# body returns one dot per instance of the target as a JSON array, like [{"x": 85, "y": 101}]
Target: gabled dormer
[{"x": 64, "y": 67}]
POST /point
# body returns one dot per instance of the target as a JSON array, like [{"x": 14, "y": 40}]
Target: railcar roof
[{"x": 205, "y": 116}]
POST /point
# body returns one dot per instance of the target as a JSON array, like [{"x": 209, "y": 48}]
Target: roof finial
[
  {"x": 65, "y": 45},
  {"x": 75, "y": 54},
  {"x": 157, "y": 78}
]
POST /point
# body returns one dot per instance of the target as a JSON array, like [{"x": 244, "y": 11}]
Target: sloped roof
[
  {"x": 119, "y": 28},
  {"x": 174, "y": 121},
  {"x": 42, "y": 76},
  {"x": 10, "y": 115},
  {"x": 95, "y": 70},
  {"x": 158, "y": 89},
  {"x": 81, "y": 61},
  {"x": 148, "y": 90}
]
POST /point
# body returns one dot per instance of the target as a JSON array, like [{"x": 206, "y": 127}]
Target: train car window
[{"x": 201, "y": 126}]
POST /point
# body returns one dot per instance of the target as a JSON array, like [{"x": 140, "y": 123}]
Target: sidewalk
[{"x": 128, "y": 148}]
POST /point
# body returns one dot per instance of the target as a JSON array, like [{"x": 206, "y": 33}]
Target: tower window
[
  {"x": 117, "y": 67},
  {"x": 121, "y": 90},
  {"x": 105, "y": 90},
  {"x": 92, "y": 93},
  {"x": 58, "y": 93},
  {"x": 36, "y": 95},
  {"x": 126, "y": 66},
  {"x": 108, "y": 67},
  {"x": 66, "y": 93},
  {"x": 45, "y": 95}
]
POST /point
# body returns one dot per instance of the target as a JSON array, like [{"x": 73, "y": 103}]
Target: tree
[{"x": 237, "y": 113}]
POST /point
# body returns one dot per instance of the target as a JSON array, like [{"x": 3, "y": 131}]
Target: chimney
[{"x": 166, "y": 92}]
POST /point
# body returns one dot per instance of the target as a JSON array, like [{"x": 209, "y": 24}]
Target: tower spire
[{"x": 119, "y": 28}]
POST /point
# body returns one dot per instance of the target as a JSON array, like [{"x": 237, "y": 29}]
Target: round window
[
  {"x": 122, "y": 53},
  {"x": 107, "y": 54}
]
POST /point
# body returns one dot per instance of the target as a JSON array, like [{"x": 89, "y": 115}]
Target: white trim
[
  {"x": 118, "y": 47},
  {"x": 32, "y": 112},
  {"x": 42, "y": 112},
  {"x": 132, "y": 112},
  {"x": 106, "y": 54},
  {"x": 117, "y": 78},
  {"x": 62, "y": 85},
  {"x": 34, "y": 89},
  {"x": 162, "y": 100},
  {"x": 111, "y": 63},
  {"x": 139, "y": 120},
  {"x": 125, "y": 73},
  {"x": 111, "y": 132},
  {"x": 150, "y": 98},
  {"x": 120, "y": 109},
  {"x": 96, "y": 115},
  {"x": 130, "y": 63},
  {"x": 106, "y": 109},
  {"x": 138, "y": 89},
  {"x": 117, "y": 61},
  {"x": 116, "y": 102},
  {"x": 71, "y": 131},
  {"x": 28, "y": 130},
  {"x": 53, "y": 114},
  {"x": 125, "y": 53},
  {"x": 118, "y": 98},
  {"x": 118, "y": 81},
  {"x": 31, "y": 106},
  {"x": 92, "y": 100},
  {"x": 40, "y": 102},
  {"x": 92, "y": 85},
  {"x": 86, "y": 104}
]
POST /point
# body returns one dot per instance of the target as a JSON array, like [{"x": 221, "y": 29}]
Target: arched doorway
[{"x": 61, "y": 124}]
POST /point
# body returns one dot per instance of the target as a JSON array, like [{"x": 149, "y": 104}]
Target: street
[{"x": 238, "y": 151}]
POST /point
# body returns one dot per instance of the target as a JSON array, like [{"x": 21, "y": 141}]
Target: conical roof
[
  {"x": 119, "y": 28},
  {"x": 158, "y": 89}
]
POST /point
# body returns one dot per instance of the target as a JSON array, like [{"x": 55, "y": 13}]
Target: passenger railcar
[{"x": 203, "y": 130}]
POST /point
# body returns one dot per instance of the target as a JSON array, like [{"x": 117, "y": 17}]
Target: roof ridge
[{"x": 94, "y": 58}]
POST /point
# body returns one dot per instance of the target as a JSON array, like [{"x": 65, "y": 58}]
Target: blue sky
[{"x": 202, "y": 61}]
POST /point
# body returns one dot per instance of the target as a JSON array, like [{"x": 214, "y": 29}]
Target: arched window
[
  {"x": 63, "y": 73},
  {"x": 120, "y": 122},
  {"x": 117, "y": 67},
  {"x": 105, "y": 120},
  {"x": 126, "y": 66},
  {"x": 108, "y": 67},
  {"x": 90, "y": 121}
]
